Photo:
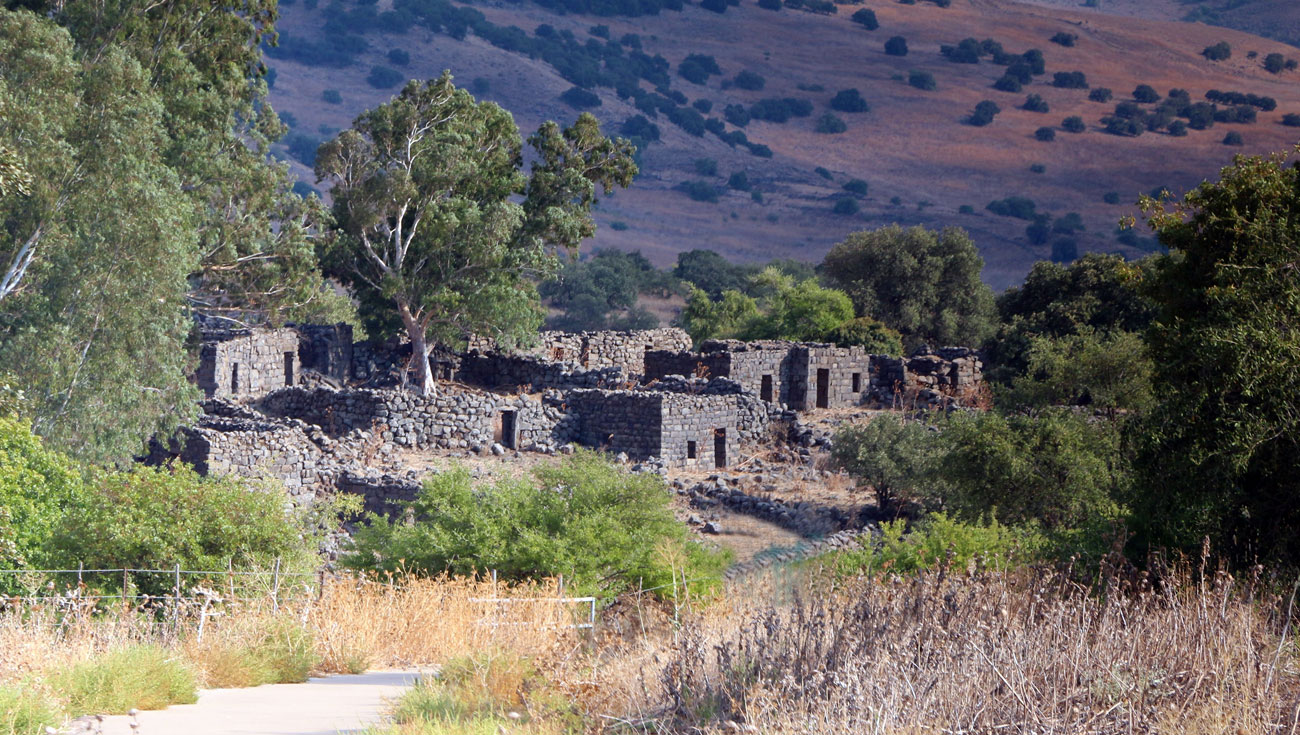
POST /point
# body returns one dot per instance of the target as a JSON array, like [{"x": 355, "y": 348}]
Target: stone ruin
[
  {"x": 292, "y": 404},
  {"x": 949, "y": 375}
]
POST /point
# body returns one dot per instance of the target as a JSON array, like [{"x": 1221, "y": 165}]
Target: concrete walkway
[{"x": 324, "y": 706}]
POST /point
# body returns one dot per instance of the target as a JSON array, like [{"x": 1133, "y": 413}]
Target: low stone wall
[
  {"x": 326, "y": 348},
  {"x": 947, "y": 374},
  {"x": 453, "y": 418},
  {"x": 623, "y": 349},
  {"x": 247, "y": 362},
  {"x": 380, "y": 492},
  {"x": 526, "y": 373},
  {"x": 801, "y": 375}
]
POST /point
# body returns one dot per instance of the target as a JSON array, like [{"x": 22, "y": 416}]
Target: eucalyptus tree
[{"x": 439, "y": 232}]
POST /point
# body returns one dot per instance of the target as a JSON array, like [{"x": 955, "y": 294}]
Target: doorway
[
  {"x": 719, "y": 448},
  {"x": 507, "y": 430},
  {"x": 765, "y": 390},
  {"x": 690, "y": 450},
  {"x": 823, "y": 388},
  {"x": 234, "y": 379},
  {"x": 857, "y": 382},
  {"x": 288, "y": 368}
]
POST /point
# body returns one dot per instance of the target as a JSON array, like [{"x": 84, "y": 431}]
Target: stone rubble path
[{"x": 333, "y": 705}]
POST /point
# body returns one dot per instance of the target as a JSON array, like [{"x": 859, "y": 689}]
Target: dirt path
[{"x": 327, "y": 706}]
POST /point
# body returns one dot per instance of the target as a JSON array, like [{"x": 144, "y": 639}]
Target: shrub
[
  {"x": 1070, "y": 80},
  {"x": 27, "y": 710},
  {"x": 866, "y": 18},
  {"x": 830, "y": 124},
  {"x": 1035, "y": 103},
  {"x": 739, "y": 181},
  {"x": 1036, "y": 61},
  {"x": 1110, "y": 197},
  {"x": 618, "y": 225},
  {"x": 717, "y": 6},
  {"x": 1220, "y": 51},
  {"x": 332, "y": 96},
  {"x": 700, "y": 191},
  {"x": 383, "y": 77},
  {"x": 756, "y": 196},
  {"x": 141, "y": 677},
  {"x": 706, "y": 167},
  {"x": 1291, "y": 119},
  {"x": 779, "y": 110},
  {"x": 1100, "y": 94},
  {"x": 638, "y": 126},
  {"x": 845, "y": 205},
  {"x": 849, "y": 100},
  {"x": 894, "y": 456},
  {"x": 1038, "y": 168},
  {"x": 968, "y": 51},
  {"x": 965, "y": 209},
  {"x": 1014, "y": 206},
  {"x": 703, "y": 105},
  {"x": 398, "y": 57},
  {"x": 36, "y": 485},
  {"x": 580, "y": 99},
  {"x": 752, "y": 81},
  {"x": 760, "y": 150},
  {"x": 1073, "y": 124},
  {"x": 1047, "y": 135},
  {"x": 1123, "y": 126},
  {"x": 1021, "y": 71},
  {"x": 736, "y": 115},
  {"x": 687, "y": 119},
  {"x": 823, "y": 172},
  {"x": 1274, "y": 63},
  {"x": 1008, "y": 83},
  {"x": 1146, "y": 94},
  {"x": 937, "y": 540},
  {"x": 585, "y": 518},
  {"x": 1065, "y": 250},
  {"x": 1233, "y": 138},
  {"x": 770, "y": 4},
  {"x": 855, "y": 186},
  {"x": 896, "y": 46},
  {"x": 923, "y": 80},
  {"x": 1038, "y": 232},
  {"x": 1064, "y": 39},
  {"x": 150, "y": 518},
  {"x": 983, "y": 114},
  {"x": 696, "y": 68},
  {"x": 1178, "y": 129},
  {"x": 870, "y": 334}
]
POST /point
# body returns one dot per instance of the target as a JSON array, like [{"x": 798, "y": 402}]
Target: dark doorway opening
[
  {"x": 720, "y": 448},
  {"x": 234, "y": 378},
  {"x": 823, "y": 388},
  {"x": 765, "y": 391},
  {"x": 857, "y": 382},
  {"x": 288, "y": 368},
  {"x": 690, "y": 450},
  {"x": 507, "y": 430}
]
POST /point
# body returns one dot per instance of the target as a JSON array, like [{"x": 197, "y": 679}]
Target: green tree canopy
[
  {"x": 431, "y": 237},
  {"x": 1220, "y": 455},
  {"x": 925, "y": 285}
]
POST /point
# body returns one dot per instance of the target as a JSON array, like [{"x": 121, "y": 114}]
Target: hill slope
[{"x": 921, "y": 161}]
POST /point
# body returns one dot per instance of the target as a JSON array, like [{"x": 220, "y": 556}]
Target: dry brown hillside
[{"x": 921, "y": 161}]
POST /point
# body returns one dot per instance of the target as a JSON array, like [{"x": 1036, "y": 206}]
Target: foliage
[
  {"x": 896, "y": 46},
  {"x": 430, "y": 233},
  {"x": 1036, "y": 103},
  {"x": 697, "y": 68},
  {"x": 1053, "y": 468},
  {"x": 149, "y": 518},
  {"x": 1146, "y": 94},
  {"x": 780, "y": 109},
  {"x": 1108, "y": 372},
  {"x": 866, "y": 18},
  {"x": 849, "y": 100},
  {"x": 1220, "y": 51},
  {"x": 846, "y": 206},
  {"x": 1096, "y": 294},
  {"x": 710, "y": 272},
  {"x": 830, "y": 124},
  {"x": 937, "y": 540},
  {"x": 580, "y": 99},
  {"x": 870, "y": 334},
  {"x": 1223, "y": 443},
  {"x": 606, "y": 531},
  {"x": 1073, "y": 124},
  {"x": 750, "y": 80},
  {"x": 922, "y": 80},
  {"x": 36, "y": 485},
  {"x": 705, "y": 318},
  {"x": 1014, "y": 206},
  {"x": 855, "y": 186},
  {"x": 1008, "y": 83},
  {"x": 609, "y": 281},
  {"x": 384, "y": 77},
  {"x": 1100, "y": 94},
  {"x": 1070, "y": 80},
  {"x": 983, "y": 113},
  {"x": 801, "y": 311},
  {"x": 26, "y": 709},
  {"x": 1045, "y": 134},
  {"x": 142, "y": 677},
  {"x": 1064, "y": 39},
  {"x": 331, "y": 96},
  {"x": 925, "y": 285},
  {"x": 896, "y": 457},
  {"x": 1233, "y": 138},
  {"x": 739, "y": 180},
  {"x": 1291, "y": 120}
]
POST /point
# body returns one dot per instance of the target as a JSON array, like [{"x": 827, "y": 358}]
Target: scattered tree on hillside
[
  {"x": 983, "y": 114},
  {"x": 849, "y": 100},
  {"x": 1074, "y": 124},
  {"x": 1100, "y": 94},
  {"x": 428, "y": 231},
  {"x": 922, "y": 80},
  {"x": 1220, "y": 51},
  {"x": 1146, "y": 94},
  {"x": 896, "y": 46},
  {"x": 866, "y": 18}
]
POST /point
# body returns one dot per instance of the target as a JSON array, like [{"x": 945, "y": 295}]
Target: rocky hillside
[{"x": 831, "y": 167}]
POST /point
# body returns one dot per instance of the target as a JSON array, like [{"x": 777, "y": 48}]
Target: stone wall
[
  {"x": 779, "y": 372},
  {"x": 247, "y": 362},
  {"x": 526, "y": 373},
  {"x": 826, "y": 376},
  {"x": 624, "y": 349},
  {"x": 326, "y": 348},
  {"x": 946, "y": 374},
  {"x": 453, "y": 418}
]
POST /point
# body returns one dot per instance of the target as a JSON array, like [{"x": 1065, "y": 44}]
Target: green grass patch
[
  {"x": 938, "y": 539},
  {"x": 26, "y": 710},
  {"x": 283, "y": 653},
  {"x": 142, "y": 677}
]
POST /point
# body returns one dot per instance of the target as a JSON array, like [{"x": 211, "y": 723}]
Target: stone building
[
  {"x": 247, "y": 363},
  {"x": 945, "y": 374},
  {"x": 622, "y": 349},
  {"x": 802, "y": 376}
]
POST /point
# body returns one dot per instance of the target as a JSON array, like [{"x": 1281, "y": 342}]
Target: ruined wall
[
  {"x": 247, "y": 363},
  {"x": 527, "y": 373},
  {"x": 778, "y": 372},
  {"x": 949, "y": 373},
  {"x": 453, "y": 418},
  {"x": 623, "y": 349},
  {"x": 659, "y": 364},
  {"x": 326, "y": 348},
  {"x": 846, "y": 377}
]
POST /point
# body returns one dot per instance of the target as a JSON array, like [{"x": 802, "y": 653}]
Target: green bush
[
  {"x": 752, "y": 81},
  {"x": 866, "y": 18},
  {"x": 823, "y": 172},
  {"x": 1047, "y": 135},
  {"x": 894, "y": 456},
  {"x": 1178, "y": 129},
  {"x": 1291, "y": 120},
  {"x": 700, "y": 191},
  {"x": 1100, "y": 94},
  {"x": 896, "y": 46},
  {"x": 383, "y": 77},
  {"x": 150, "y": 518},
  {"x": 1018, "y": 207},
  {"x": 870, "y": 334},
  {"x": 1035, "y": 103},
  {"x": 845, "y": 206},
  {"x": 26, "y": 710},
  {"x": 601, "y": 528},
  {"x": 849, "y": 100},
  {"x": 938, "y": 540},
  {"x": 1146, "y": 94},
  {"x": 983, "y": 113},
  {"x": 142, "y": 677},
  {"x": 1233, "y": 138},
  {"x": 1107, "y": 372},
  {"x": 706, "y": 167},
  {"x": 1074, "y": 124},
  {"x": 1111, "y": 197},
  {"x": 1064, "y": 39},
  {"x": 618, "y": 225},
  {"x": 36, "y": 486},
  {"x": 398, "y": 57},
  {"x": 738, "y": 181},
  {"x": 922, "y": 80},
  {"x": 580, "y": 99},
  {"x": 1070, "y": 80},
  {"x": 830, "y": 124},
  {"x": 332, "y": 96},
  {"x": 855, "y": 186},
  {"x": 1038, "y": 168},
  {"x": 1220, "y": 51},
  {"x": 1008, "y": 83}
]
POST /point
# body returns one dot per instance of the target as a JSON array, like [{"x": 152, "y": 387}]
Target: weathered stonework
[
  {"x": 625, "y": 350},
  {"x": 949, "y": 373},
  {"x": 527, "y": 374},
  {"x": 247, "y": 363},
  {"x": 327, "y": 349}
]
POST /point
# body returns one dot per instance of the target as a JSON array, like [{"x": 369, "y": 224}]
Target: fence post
[
  {"x": 230, "y": 577},
  {"x": 275, "y": 586},
  {"x": 176, "y": 600},
  {"x": 81, "y": 565},
  {"x": 125, "y": 604}
]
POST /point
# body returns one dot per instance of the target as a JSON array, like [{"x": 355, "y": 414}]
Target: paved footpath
[{"x": 330, "y": 705}]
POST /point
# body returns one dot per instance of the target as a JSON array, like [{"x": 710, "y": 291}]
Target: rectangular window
[
  {"x": 690, "y": 450},
  {"x": 288, "y": 368},
  {"x": 720, "y": 448},
  {"x": 765, "y": 390},
  {"x": 823, "y": 388},
  {"x": 857, "y": 382},
  {"x": 234, "y": 379}
]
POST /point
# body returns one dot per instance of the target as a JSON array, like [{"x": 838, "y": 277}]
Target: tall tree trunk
[{"x": 419, "y": 351}]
